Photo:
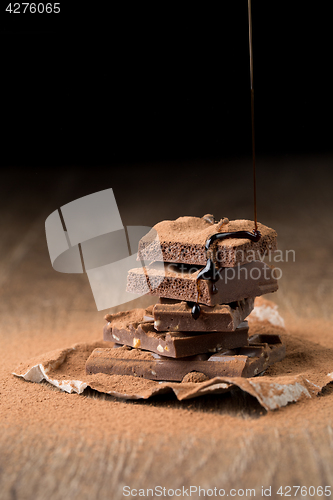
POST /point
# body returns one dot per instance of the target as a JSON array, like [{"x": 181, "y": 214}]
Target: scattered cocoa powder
[{"x": 194, "y": 377}]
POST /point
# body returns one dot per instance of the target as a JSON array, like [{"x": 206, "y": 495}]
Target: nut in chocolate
[{"x": 87, "y": 235}]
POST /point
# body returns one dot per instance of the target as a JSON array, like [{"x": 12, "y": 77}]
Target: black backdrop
[{"x": 156, "y": 82}]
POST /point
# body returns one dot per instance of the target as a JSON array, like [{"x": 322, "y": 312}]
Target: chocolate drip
[{"x": 210, "y": 271}]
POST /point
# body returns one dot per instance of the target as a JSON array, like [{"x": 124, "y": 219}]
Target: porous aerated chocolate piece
[
  {"x": 248, "y": 361},
  {"x": 220, "y": 318},
  {"x": 172, "y": 344},
  {"x": 180, "y": 282},
  {"x": 183, "y": 241}
]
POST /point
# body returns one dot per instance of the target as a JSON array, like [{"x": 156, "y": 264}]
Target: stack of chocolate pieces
[{"x": 206, "y": 275}]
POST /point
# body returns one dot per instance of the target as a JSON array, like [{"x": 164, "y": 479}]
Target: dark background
[{"x": 154, "y": 101}]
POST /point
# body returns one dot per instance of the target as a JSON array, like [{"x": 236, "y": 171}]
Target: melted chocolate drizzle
[{"x": 210, "y": 271}]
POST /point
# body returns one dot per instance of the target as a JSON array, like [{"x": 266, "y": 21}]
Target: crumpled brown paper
[{"x": 307, "y": 368}]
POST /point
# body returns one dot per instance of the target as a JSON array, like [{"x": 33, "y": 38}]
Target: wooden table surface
[{"x": 50, "y": 445}]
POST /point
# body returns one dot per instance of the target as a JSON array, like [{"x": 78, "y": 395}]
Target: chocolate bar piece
[
  {"x": 183, "y": 241},
  {"x": 180, "y": 282},
  {"x": 248, "y": 361},
  {"x": 220, "y": 318},
  {"x": 171, "y": 344}
]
